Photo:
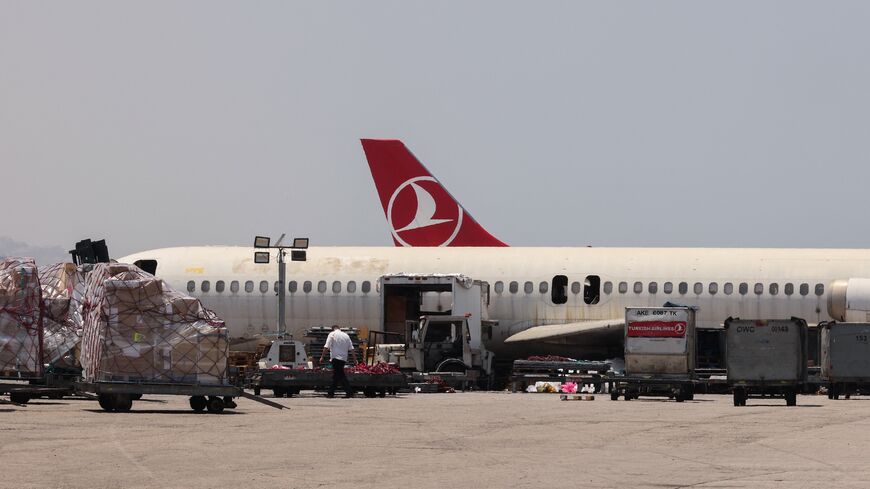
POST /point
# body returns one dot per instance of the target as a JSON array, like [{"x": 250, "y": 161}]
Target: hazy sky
[{"x": 157, "y": 124}]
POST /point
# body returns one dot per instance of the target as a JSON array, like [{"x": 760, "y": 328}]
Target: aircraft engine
[{"x": 849, "y": 300}]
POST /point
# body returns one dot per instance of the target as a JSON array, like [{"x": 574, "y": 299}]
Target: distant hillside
[{"x": 43, "y": 255}]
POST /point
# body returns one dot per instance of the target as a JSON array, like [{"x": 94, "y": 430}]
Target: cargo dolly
[
  {"x": 679, "y": 389},
  {"x": 528, "y": 372},
  {"x": 119, "y": 396},
  {"x": 21, "y": 392},
  {"x": 288, "y": 382}
]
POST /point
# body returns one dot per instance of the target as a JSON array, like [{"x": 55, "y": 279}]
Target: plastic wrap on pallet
[
  {"x": 61, "y": 333},
  {"x": 20, "y": 319},
  {"x": 138, "y": 329}
]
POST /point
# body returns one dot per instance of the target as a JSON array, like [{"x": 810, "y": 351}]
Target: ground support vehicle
[
  {"x": 845, "y": 358},
  {"x": 766, "y": 358},
  {"x": 659, "y": 354},
  {"x": 678, "y": 388},
  {"x": 527, "y": 372},
  {"x": 288, "y": 382},
  {"x": 119, "y": 396},
  {"x": 23, "y": 392},
  {"x": 436, "y": 324}
]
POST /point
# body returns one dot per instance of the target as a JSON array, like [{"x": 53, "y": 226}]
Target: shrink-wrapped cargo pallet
[
  {"x": 138, "y": 329},
  {"x": 61, "y": 335},
  {"x": 20, "y": 319}
]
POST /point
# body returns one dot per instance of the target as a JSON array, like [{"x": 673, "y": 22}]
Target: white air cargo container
[
  {"x": 659, "y": 353},
  {"x": 660, "y": 341},
  {"x": 766, "y": 358},
  {"x": 845, "y": 358}
]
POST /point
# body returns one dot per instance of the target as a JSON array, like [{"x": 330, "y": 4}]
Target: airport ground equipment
[
  {"x": 845, "y": 358},
  {"x": 288, "y": 382},
  {"x": 766, "y": 358},
  {"x": 285, "y": 370},
  {"x": 659, "y": 354},
  {"x": 119, "y": 396},
  {"x": 442, "y": 323},
  {"x": 557, "y": 369}
]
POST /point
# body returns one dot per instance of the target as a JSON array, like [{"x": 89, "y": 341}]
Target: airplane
[{"x": 567, "y": 301}]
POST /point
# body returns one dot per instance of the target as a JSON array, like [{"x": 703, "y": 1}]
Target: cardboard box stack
[
  {"x": 138, "y": 329},
  {"x": 20, "y": 319},
  {"x": 61, "y": 335}
]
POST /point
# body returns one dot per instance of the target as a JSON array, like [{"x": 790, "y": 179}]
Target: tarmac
[{"x": 462, "y": 440}]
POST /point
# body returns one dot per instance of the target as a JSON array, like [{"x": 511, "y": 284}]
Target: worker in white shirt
[{"x": 338, "y": 345}]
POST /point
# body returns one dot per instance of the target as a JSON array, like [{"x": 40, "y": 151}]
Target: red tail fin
[{"x": 419, "y": 210}]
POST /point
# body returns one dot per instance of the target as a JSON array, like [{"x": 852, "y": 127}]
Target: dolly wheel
[
  {"x": 198, "y": 403},
  {"x": 215, "y": 405},
  {"x": 107, "y": 402},
  {"x": 19, "y": 397},
  {"x": 123, "y": 403},
  {"x": 614, "y": 396},
  {"x": 382, "y": 393},
  {"x": 791, "y": 399}
]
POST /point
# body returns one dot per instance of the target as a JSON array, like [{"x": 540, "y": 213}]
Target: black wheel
[
  {"x": 256, "y": 391},
  {"x": 614, "y": 396},
  {"x": 791, "y": 399},
  {"x": 123, "y": 403},
  {"x": 19, "y": 397},
  {"x": 739, "y": 397},
  {"x": 369, "y": 392},
  {"x": 198, "y": 403},
  {"x": 382, "y": 393},
  {"x": 278, "y": 392},
  {"x": 136, "y": 397},
  {"x": 107, "y": 402},
  {"x": 215, "y": 405},
  {"x": 229, "y": 403}
]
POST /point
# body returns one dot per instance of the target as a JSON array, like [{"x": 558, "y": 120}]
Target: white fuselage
[{"x": 337, "y": 285}]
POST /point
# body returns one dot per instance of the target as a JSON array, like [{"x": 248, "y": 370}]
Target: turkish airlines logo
[{"x": 422, "y": 213}]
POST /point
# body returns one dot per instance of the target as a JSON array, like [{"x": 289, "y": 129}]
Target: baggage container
[
  {"x": 845, "y": 358},
  {"x": 659, "y": 353},
  {"x": 766, "y": 358}
]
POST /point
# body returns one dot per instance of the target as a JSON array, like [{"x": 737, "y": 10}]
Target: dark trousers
[{"x": 338, "y": 376}]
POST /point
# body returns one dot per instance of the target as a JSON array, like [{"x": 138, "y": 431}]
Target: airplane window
[
  {"x": 205, "y": 286},
  {"x": 744, "y": 288},
  {"x": 820, "y": 289},
  {"x": 219, "y": 286},
  {"x": 638, "y": 287},
  {"x": 499, "y": 287},
  {"x": 191, "y": 286},
  {"x": 575, "y": 288},
  {"x": 728, "y": 288},
  {"x": 528, "y": 287},
  {"x": 560, "y": 289},
  {"x": 351, "y": 287},
  {"x": 805, "y": 289},
  {"x": 366, "y": 287},
  {"x": 234, "y": 286},
  {"x": 249, "y": 286},
  {"x": 759, "y": 289},
  {"x": 306, "y": 286},
  {"x": 264, "y": 286},
  {"x": 684, "y": 288},
  {"x": 774, "y": 289},
  {"x": 336, "y": 287},
  {"x": 698, "y": 288},
  {"x": 513, "y": 287},
  {"x": 789, "y": 289},
  {"x": 608, "y": 287},
  {"x": 277, "y": 287},
  {"x": 668, "y": 287},
  {"x": 542, "y": 287},
  {"x": 713, "y": 288},
  {"x": 293, "y": 286},
  {"x": 321, "y": 286},
  {"x": 591, "y": 289},
  {"x": 623, "y": 287},
  {"x": 653, "y": 287}
]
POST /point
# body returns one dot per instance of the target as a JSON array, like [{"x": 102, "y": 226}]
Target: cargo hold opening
[
  {"x": 149, "y": 266},
  {"x": 409, "y": 302}
]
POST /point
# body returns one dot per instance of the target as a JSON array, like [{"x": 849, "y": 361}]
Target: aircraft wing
[{"x": 579, "y": 329}]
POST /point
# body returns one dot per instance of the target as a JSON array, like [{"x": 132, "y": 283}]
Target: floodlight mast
[{"x": 264, "y": 242}]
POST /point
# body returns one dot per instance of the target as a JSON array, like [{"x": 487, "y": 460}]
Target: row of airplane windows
[{"x": 559, "y": 283}]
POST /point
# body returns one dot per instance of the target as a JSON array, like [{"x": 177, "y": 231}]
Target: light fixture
[
  {"x": 261, "y": 257},
  {"x": 262, "y": 242}
]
